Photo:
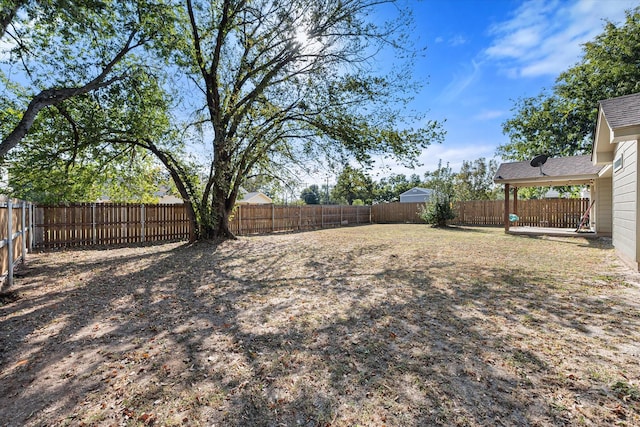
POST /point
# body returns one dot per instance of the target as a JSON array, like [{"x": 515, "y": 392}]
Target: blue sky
[{"x": 482, "y": 55}]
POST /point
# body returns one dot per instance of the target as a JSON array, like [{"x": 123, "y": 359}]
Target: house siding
[
  {"x": 417, "y": 198},
  {"x": 625, "y": 201},
  {"x": 603, "y": 201}
]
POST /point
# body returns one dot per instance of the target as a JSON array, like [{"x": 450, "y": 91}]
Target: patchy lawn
[{"x": 399, "y": 325}]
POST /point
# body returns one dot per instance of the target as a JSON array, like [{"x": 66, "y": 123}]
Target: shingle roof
[
  {"x": 622, "y": 111},
  {"x": 558, "y": 168}
]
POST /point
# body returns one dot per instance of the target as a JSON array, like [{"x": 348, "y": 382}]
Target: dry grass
[{"x": 399, "y": 325}]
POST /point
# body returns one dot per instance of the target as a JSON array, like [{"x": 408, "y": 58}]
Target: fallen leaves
[{"x": 396, "y": 325}]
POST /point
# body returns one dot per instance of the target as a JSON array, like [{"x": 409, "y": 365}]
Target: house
[
  {"x": 615, "y": 147},
  {"x": 169, "y": 199},
  {"x": 611, "y": 172},
  {"x": 416, "y": 195},
  {"x": 164, "y": 198},
  {"x": 255, "y": 198}
]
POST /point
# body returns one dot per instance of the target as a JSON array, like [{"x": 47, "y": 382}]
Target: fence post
[
  {"x": 9, "y": 243},
  {"x": 321, "y": 216},
  {"x": 93, "y": 223},
  {"x": 23, "y": 231},
  {"x": 31, "y": 227},
  {"x": 273, "y": 219},
  {"x": 341, "y": 215},
  {"x": 299, "y": 218},
  {"x": 142, "y": 222}
]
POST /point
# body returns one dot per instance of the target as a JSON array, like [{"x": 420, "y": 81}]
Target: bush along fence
[
  {"x": 16, "y": 236},
  {"x": 555, "y": 213},
  {"x": 89, "y": 224}
]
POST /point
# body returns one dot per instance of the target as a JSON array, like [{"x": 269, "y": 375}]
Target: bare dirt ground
[{"x": 398, "y": 325}]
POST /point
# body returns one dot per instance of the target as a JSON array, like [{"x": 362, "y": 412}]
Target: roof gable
[
  {"x": 417, "y": 191},
  {"x": 622, "y": 111},
  {"x": 618, "y": 120},
  {"x": 255, "y": 197}
]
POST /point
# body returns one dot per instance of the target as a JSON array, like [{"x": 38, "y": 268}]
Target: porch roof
[{"x": 558, "y": 171}]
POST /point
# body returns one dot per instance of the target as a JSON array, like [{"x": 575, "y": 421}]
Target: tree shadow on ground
[{"x": 235, "y": 335}]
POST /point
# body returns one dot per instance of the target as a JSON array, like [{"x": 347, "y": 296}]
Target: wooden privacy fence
[
  {"x": 480, "y": 212},
  {"x": 88, "y": 224},
  {"x": 396, "y": 213},
  {"x": 260, "y": 219},
  {"x": 556, "y": 213},
  {"x": 16, "y": 234}
]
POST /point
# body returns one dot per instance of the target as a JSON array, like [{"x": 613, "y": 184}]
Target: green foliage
[
  {"x": 250, "y": 86},
  {"x": 441, "y": 181},
  {"x": 82, "y": 150},
  {"x": 437, "y": 212},
  {"x": 353, "y": 184},
  {"x": 475, "y": 180},
  {"x": 389, "y": 189},
  {"x": 561, "y": 123},
  {"x": 311, "y": 195}
]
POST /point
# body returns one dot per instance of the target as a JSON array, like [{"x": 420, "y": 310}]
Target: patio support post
[
  {"x": 507, "y": 196},
  {"x": 515, "y": 200}
]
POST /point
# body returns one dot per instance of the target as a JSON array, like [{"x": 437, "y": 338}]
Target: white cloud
[
  {"x": 454, "y": 154},
  {"x": 489, "y": 115},
  {"x": 460, "y": 82},
  {"x": 545, "y": 37},
  {"x": 457, "y": 40}
]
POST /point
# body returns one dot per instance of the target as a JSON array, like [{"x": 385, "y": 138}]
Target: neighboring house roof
[
  {"x": 416, "y": 191},
  {"x": 169, "y": 199},
  {"x": 574, "y": 170},
  {"x": 255, "y": 198},
  {"x": 618, "y": 120}
]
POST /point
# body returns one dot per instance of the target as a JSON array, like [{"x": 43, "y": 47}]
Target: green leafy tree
[
  {"x": 562, "y": 122},
  {"x": 66, "y": 49},
  {"x": 82, "y": 148},
  {"x": 390, "y": 188},
  {"x": 441, "y": 181},
  {"x": 261, "y": 86},
  {"x": 353, "y": 184},
  {"x": 475, "y": 180},
  {"x": 287, "y": 82},
  {"x": 311, "y": 195},
  {"x": 438, "y": 210}
]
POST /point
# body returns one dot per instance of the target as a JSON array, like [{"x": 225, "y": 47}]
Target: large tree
[
  {"x": 562, "y": 121},
  {"x": 353, "y": 184},
  {"x": 475, "y": 180},
  {"x": 262, "y": 85},
  {"x": 284, "y": 82}
]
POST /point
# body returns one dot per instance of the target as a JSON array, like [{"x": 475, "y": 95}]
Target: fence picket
[{"x": 110, "y": 223}]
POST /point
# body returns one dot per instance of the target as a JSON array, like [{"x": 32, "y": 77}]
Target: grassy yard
[{"x": 398, "y": 325}]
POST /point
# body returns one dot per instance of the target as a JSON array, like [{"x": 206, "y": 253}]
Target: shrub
[{"x": 437, "y": 212}]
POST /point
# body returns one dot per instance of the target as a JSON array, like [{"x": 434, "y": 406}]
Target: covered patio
[{"x": 554, "y": 172}]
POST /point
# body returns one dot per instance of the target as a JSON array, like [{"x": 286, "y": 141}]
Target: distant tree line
[{"x": 354, "y": 186}]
